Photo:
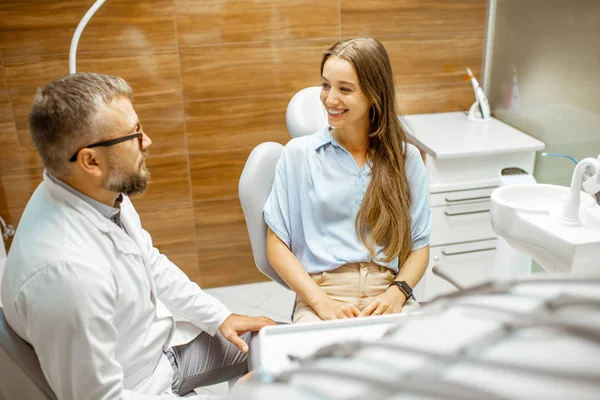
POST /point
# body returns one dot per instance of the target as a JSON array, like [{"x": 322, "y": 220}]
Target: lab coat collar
[{"x": 98, "y": 220}]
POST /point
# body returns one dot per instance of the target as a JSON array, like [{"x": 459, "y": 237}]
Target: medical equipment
[
  {"x": 254, "y": 188},
  {"x": 533, "y": 338},
  {"x": 558, "y": 226},
  {"x": 305, "y": 114},
  {"x": 480, "y": 109},
  {"x": 281, "y": 349},
  {"x": 530, "y": 339},
  {"x": 77, "y": 34},
  {"x": 511, "y": 263},
  {"x": 589, "y": 184}
]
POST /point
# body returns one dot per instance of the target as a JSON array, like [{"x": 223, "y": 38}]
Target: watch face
[{"x": 406, "y": 289}]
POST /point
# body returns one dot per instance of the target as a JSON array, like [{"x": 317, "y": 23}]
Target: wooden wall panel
[
  {"x": 153, "y": 74},
  {"x": 226, "y": 21},
  {"x": 250, "y": 69},
  {"x": 436, "y": 18},
  {"x": 433, "y": 61},
  {"x": 211, "y": 80},
  {"x": 229, "y": 124},
  {"x": 215, "y": 175},
  {"x": 413, "y": 99},
  {"x": 173, "y": 233},
  {"x": 39, "y": 27},
  {"x": 10, "y": 156},
  {"x": 169, "y": 185},
  {"x": 165, "y": 125}
]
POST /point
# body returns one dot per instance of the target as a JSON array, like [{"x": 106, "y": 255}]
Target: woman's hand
[
  {"x": 389, "y": 302},
  {"x": 333, "y": 309}
]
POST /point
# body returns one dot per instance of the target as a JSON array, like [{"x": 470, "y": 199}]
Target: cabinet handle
[
  {"x": 465, "y": 212},
  {"x": 444, "y": 252},
  {"x": 466, "y": 199}
]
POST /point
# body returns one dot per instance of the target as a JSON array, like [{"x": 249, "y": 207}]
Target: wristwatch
[{"x": 404, "y": 288}]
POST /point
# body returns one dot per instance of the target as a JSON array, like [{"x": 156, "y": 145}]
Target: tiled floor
[{"x": 255, "y": 299}]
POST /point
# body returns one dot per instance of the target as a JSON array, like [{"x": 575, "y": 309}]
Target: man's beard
[{"x": 120, "y": 180}]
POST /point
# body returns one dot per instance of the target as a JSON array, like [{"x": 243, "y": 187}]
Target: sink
[{"x": 531, "y": 219}]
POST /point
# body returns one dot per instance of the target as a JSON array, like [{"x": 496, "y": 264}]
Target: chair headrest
[{"x": 305, "y": 113}]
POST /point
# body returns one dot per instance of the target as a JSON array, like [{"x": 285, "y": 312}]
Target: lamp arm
[{"x": 75, "y": 40}]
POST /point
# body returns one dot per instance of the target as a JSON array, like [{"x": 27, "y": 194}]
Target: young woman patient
[{"x": 348, "y": 215}]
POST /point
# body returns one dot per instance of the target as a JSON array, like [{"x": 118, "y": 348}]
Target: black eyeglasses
[{"x": 111, "y": 142}]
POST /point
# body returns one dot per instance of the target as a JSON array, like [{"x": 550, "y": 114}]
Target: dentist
[{"x": 83, "y": 283}]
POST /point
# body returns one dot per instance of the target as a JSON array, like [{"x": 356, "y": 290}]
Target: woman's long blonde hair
[{"x": 384, "y": 216}]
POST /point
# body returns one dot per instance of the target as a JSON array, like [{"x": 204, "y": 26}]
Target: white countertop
[{"x": 452, "y": 135}]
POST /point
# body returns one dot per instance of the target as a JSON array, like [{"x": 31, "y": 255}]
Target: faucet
[{"x": 570, "y": 211}]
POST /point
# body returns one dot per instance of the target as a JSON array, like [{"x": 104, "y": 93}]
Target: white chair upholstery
[
  {"x": 305, "y": 113},
  {"x": 254, "y": 188}
]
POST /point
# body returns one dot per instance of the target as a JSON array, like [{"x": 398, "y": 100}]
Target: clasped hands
[{"x": 389, "y": 302}]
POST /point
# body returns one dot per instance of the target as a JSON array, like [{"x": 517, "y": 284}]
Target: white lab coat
[{"x": 99, "y": 304}]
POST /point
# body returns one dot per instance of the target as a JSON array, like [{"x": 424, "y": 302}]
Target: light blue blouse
[{"x": 316, "y": 195}]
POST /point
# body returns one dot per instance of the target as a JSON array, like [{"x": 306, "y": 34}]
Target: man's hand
[
  {"x": 389, "y": 302},
  {"x": 333, "y": 309},
  {"x": 236, "y": 325}
]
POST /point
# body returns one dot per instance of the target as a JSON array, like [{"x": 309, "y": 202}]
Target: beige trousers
[{"x": 354, "y": 283}]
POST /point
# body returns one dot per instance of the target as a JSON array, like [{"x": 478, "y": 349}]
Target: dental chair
[
  {"x": 305, "y": 115},
  {"x": 21, "y": 376}
]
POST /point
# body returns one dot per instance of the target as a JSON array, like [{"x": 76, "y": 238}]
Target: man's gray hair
[{"x": 65, "y": 115}]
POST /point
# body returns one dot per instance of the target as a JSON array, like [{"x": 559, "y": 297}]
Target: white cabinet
[
  {"x": 463, "y": 161},
  {"x": 472, "y": 260}
]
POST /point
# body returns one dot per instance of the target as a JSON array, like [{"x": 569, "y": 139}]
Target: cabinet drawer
[
  {"x": 473, "y": 264},
  {"x": 460, "y": 197},
  {"x": 460, "y": 223}
]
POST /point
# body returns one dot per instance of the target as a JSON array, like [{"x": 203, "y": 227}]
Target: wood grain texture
[
  {"x": 220, "y": 223},
  {"x": 173, "y": 233},
  {"x": 226, "y": 21},
  {"x": 244, "y": 70},
  {"x": 170, "y": 183},
  {"x": 212, "y": 80},
  {"x": 219, "y": 125},
  {"x": 434, "y": 61},
  {"x": 215, "y": 175},
  {"x": 165, "y": 125},
  {"x": 227, "y": 265},
  {"x": 16, "y": 189},
  {"x": 432, "y": 98},
  {"x": 412, "y": 17},
  {"x": 10, "y": 155},
  {"x": 35, "y": 27}
]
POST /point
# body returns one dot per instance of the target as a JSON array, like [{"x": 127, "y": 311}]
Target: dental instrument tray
[
  {"x": 534, "y": 338},
  {"x": 279, "y": 348}
]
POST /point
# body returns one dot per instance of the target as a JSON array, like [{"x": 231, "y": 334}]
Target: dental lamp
[{"x": 77, "y": 35}]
